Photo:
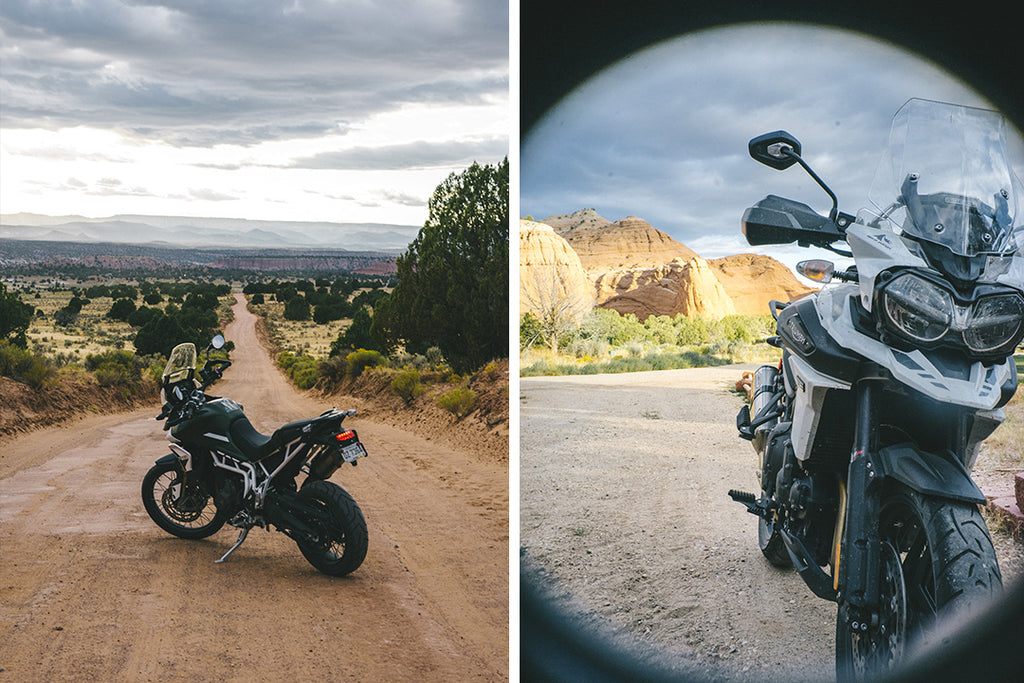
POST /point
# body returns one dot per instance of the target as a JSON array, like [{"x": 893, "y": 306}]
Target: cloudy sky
[
  {"x": 325, "y": 110},
  {"x": 663, "y": 134}
]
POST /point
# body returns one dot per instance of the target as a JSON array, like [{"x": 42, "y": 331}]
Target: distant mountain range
[{"x": 196, "y": 232}]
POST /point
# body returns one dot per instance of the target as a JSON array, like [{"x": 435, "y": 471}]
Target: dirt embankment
[
  {"x": 93, "y": 590},
  {"x": 24, "y": 409},
  {"x": 484, "y": 430}
]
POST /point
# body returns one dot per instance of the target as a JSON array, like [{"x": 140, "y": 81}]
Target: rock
[
  {"x": 629, "y": 243},
  {"x": 682, "y": 286},
  {"x": 752, "y": 280},
  {"x": 550, "y": 273},
  {"x": 577, "y": 220},
  {"x": 629, "y": 266}
]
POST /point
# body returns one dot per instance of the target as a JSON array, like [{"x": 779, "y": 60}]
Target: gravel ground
[{"x": 625, "y": 519}]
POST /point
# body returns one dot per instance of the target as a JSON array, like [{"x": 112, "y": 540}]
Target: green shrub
[
  {"x": 110, "y": 374},
  {"x": 434, "y": 356},
  {"x": 26, "y": 366},
  {"x": 305, "y": 375},
  {"x": 302, "y": 370},
  {"x": 491, "y": 371},
  {"x": 333, "y": 370},
  {"x": 125, "y": 359},
  {"x": 361, "y": 359},
  {"x": 460, "y": 401},
  {"x": 407, "y": 385},
  {"x": 297, "y": 308},
  {"x": 14, "y": 360},
  {"x": 40, "y": 374}
]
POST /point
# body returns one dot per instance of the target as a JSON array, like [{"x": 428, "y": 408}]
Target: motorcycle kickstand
[{"x": 241, "y": 539}]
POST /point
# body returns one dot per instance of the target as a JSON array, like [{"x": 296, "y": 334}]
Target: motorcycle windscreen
[
  {"x": 181, "y": 365},
  {"x": 950, "y": 170}
]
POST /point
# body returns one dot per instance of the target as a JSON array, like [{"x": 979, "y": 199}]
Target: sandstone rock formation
[
  {"x": 573, "y": 261},
  {"x": 582, "y": 219},
  {"x": 550, "y": 273},
  {"x": 629, "y": 243},
  {"x": 752, "y": 280},
  {"x": 680, "y": 286}
]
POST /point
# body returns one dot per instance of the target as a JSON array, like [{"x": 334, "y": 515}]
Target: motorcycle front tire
[
  {"x": 192, "y": 516},
  {"x": 946, "y": 564},
  {"x": 772, "y": 546},
  {"x": 342, "y": 543}
]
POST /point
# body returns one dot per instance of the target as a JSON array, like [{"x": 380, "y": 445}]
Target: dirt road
[
  {"x": 626, "y": 518},
  {"x": 91, "y": 590}
]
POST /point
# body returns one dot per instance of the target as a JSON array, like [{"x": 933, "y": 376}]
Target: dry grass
[
  {"x": 1002, "y": 454},
  {"x": 92, "y": 332},
  {"x": 301, "y": 337}
]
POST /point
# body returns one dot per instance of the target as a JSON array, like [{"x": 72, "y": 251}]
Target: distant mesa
[
  {"x": 197, "y": 232},
  {"x": 632, "y": 267},
  {"x": 131, "y": 242}
]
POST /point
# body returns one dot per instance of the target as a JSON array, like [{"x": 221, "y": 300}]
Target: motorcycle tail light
[
  {"x": 347, "y": 435},
  {"x": 996, "y": 322}
]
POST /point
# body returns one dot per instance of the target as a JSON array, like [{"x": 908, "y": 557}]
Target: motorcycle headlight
[
  {"x": 917, "y": 308},
  {"x": 995, "y": 322},
  {"x": 926, "y": 313}
]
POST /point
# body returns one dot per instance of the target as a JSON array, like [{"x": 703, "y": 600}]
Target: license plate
[{"x": 353, "y": 452}]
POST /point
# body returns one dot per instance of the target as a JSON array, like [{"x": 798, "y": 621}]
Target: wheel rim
[
  {"x": 330, "y": 537},
  {"x": 192, "y": 509},
  {"x": 903, "y": 530}
]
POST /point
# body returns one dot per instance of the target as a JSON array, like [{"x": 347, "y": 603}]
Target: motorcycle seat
[{"x": 256, "y": 446}]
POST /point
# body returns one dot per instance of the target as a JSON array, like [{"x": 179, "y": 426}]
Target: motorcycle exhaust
[{"x": 763, "y": 394}]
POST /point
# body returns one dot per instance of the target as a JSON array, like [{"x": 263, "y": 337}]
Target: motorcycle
[
  {"x": 221, "y": 470},
  {"x": 891, "y": 376}
]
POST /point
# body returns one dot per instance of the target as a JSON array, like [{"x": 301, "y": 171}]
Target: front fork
[{"x": 860, "y": 550}]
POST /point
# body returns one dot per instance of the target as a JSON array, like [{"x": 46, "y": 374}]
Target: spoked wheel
[
  {"x": 178, "y": 508},
  {"x": 339, "y": 545},
  {"x": 936, "y": 559}
]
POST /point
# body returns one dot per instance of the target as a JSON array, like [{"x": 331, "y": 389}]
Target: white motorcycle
[{"x": 890, "y": 379}]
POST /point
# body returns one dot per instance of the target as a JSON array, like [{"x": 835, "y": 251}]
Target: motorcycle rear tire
[
  {"x": 156, "y": 497},
  {"x": 342, "y": 547},
  {"x": 948, "y": 566}
]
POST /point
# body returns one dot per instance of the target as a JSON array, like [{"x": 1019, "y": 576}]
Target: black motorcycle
[{"x": 222, "y": 471}]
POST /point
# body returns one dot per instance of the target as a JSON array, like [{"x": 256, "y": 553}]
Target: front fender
[
  {"x": 930, "y": 474},
  {"x": 169, "y": 459}
]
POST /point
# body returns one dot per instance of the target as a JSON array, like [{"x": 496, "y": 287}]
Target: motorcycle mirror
[
  {"x": 778, "y": 150},
  {"x": 818, "y": 270},
  {"x": 218, "y": 341}
]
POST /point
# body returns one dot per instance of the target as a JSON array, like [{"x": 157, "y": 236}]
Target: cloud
[
  {"x": 413, "y": 155},
  {"x": 402, "y": 199},
  {"x": 663, "y": 134},
  {"x": 206, "y": 194},
  {"x": 243, "y": 71}
]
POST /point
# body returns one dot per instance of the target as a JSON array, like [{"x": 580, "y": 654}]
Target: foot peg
[
  {"x": 754, "y": 506},
  {"x": 241, "y": 539}
]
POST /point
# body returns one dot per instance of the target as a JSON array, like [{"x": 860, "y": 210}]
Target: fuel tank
[{"x": 209, "y": 426}]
